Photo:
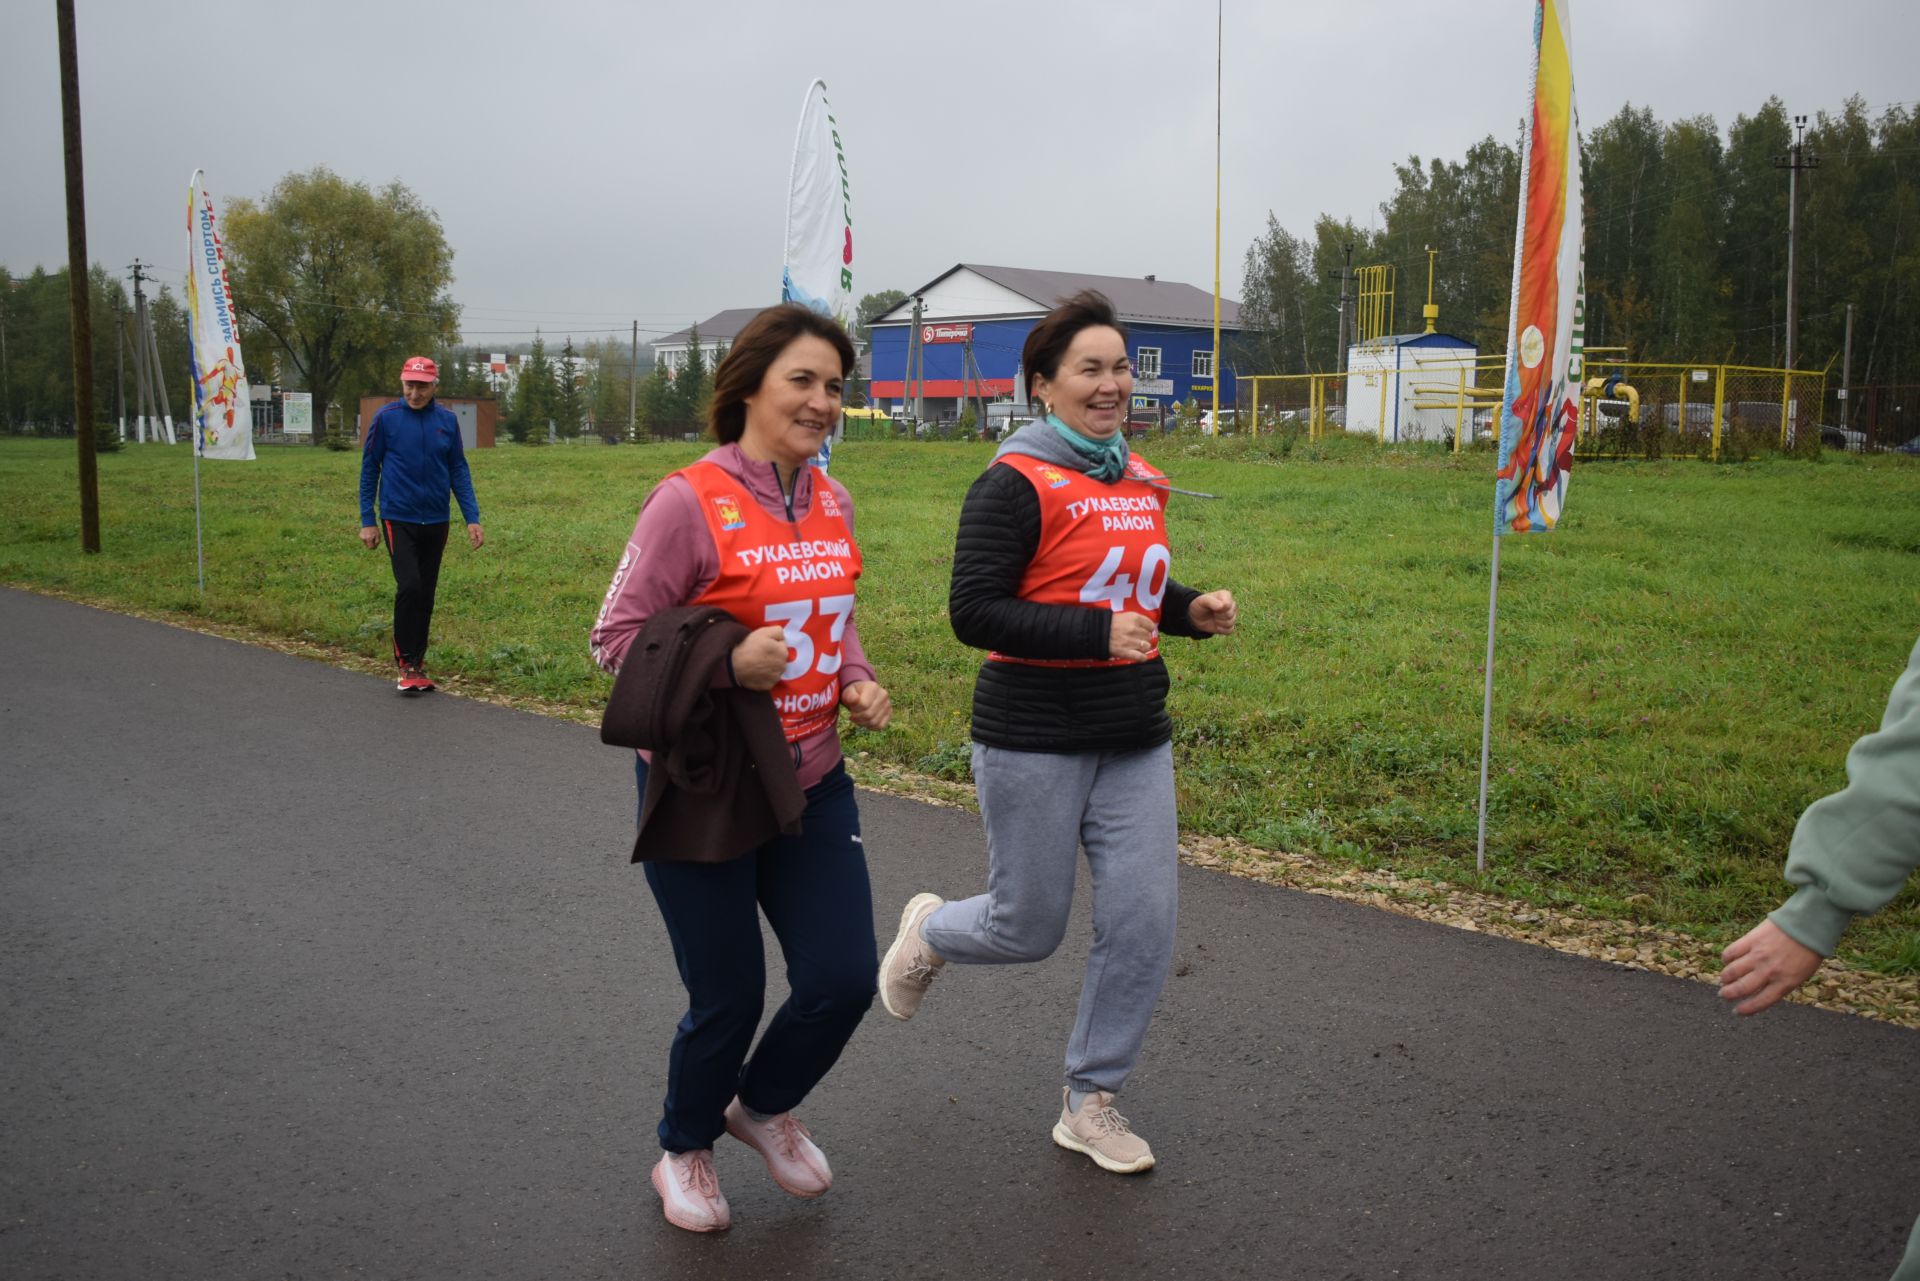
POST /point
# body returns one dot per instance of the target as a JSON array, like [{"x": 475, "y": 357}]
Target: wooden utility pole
[
  {"x": 78, "y": 284},
  {"x": 6, "y": 379}
]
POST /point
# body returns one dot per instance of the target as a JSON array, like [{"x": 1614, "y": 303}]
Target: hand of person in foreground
[
  {"x": 370, "y": 536},
  {"x": 475, "y": 536},
  {"x": 1763, "y": 965},
  {"x": 867, "y": 704},
  {"x": 1130, "y": 636},
  {"x": 1213, "y": 613},
  {"x": 760, "y": 658}
]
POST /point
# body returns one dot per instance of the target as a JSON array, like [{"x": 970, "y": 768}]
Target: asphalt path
[{"x": 304, "y": 979}]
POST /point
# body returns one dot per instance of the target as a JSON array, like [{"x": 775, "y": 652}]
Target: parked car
[
  {"x": 1699, "y": 416},
  {"x": 1911, "y": 447},
  {"x": 1005, "y": 417},
  {"x": 1842, "y": 437},
  {"x": 1609, "y": 414}
]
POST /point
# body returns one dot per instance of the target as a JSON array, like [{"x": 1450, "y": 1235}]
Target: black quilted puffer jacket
[{"x": 1046, "y": 709}]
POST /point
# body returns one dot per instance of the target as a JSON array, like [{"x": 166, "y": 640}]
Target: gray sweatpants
[{"x": 1039, "y": 807}]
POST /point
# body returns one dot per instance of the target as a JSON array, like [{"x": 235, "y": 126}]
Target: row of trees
[
  {"x": 585, "y": 390},
  {"x": 36, "y": 347},
  {"x": 1686, "y": 246},
  {"x": 335, "y": 284},
  {"x": 595, "y": 395}
]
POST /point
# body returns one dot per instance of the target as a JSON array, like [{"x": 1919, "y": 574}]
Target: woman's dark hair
[
  {"x": 1048, "y": 341},
  {"x": 745, "y": 365}
]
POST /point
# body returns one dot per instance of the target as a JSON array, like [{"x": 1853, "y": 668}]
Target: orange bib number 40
[{"x": 1146, "y": 585}]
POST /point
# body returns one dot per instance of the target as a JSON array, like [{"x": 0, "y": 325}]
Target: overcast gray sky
[{"x": 596, "y": 163}]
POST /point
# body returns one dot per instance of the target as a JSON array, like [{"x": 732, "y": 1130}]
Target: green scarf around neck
[{"x": 1108, "y": 458}]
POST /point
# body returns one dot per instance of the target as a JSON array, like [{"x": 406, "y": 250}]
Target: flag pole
[
  {"x": 1219, "y": 38},
  {"x": 199, "y": 543},
  {"x": 1486, "y": 707}
]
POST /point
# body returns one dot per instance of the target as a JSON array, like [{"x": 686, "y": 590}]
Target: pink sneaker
[
  {"x": 795, "y": 1163},
  {"x": 690, "y": 1191}
]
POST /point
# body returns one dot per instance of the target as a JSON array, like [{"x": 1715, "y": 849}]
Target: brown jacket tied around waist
[{"x": 721, "y": 780}]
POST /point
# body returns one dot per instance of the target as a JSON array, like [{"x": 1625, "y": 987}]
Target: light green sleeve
[{"x": 1853, "y": 850}]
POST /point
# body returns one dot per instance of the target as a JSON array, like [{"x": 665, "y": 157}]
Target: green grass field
[{"x": 1681, "y": 666}]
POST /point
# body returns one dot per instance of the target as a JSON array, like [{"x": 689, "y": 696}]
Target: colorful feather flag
[
  {"x": 222, "y": 410},
  {"x": 1546, "y": 334}
]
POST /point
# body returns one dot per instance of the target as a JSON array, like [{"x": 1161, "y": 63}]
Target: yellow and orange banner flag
[{"x": 1546, "y": 334}]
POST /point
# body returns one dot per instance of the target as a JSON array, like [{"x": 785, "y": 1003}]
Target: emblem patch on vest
[
  {"x": 1051, "y": 475},
  {"x": 729, "y": 509}
]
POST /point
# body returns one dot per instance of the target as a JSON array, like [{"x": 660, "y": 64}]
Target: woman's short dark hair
[
  {"x": 1047, "y": 342},
  {"x": 754, "y": 350}
]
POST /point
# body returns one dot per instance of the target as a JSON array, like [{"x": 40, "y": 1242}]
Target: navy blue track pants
[{"x": 813, "y": 889}]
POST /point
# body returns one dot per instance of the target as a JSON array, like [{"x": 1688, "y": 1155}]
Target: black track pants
[{"x": 415, "y": 552}]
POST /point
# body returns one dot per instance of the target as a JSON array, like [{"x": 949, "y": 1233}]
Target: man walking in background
[{"x": 412, "y": 459}]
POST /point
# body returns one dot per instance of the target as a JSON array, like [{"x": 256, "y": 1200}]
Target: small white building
[{"x": 1394, "y": 384}]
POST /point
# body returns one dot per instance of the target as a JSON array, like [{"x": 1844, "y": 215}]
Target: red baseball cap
[{"x": 419, "y": 369}]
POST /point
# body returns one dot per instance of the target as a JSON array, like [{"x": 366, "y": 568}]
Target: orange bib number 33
[{"x": 799, "y": 577}]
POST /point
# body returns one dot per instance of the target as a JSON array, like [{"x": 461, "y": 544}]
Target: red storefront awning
[{"x": 895, "y": 388}]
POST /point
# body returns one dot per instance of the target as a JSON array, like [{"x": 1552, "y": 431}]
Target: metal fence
[
  {"x": 1272, "y": 402},
  {"x": 1874, "y": 419},
  {"x": 1648, "y": 409},
  {"x": 1629, "y": 409}
]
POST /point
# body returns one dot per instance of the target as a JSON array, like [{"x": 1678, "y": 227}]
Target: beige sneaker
[
  {"x": 909, "y": 965},
  {"x": 1102, "y": 1133}
]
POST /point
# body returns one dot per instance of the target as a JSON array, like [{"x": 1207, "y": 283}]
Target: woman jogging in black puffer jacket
[{"x": 1061, "y": 572}]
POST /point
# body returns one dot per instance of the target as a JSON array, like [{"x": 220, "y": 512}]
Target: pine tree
[
  {"x": 659, "y": 408},
  {"x": 692, "y": 385},
  {"x": 569, "y": 406},
  {"x": 609, "y": 391},
  {"x": 534, "y": 395}
]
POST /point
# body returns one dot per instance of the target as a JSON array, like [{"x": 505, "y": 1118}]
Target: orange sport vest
[
  {"x": 1101, "y": 546},
  {"x": 798, "y": 575}
]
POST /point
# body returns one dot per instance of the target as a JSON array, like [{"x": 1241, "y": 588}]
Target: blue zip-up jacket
[{"x": 413, "y": 458}]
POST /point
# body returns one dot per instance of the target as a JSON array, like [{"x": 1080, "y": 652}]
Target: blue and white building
[
  {"x": 1410, "y": 386},
  {"x": 987, "y": 312}
]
